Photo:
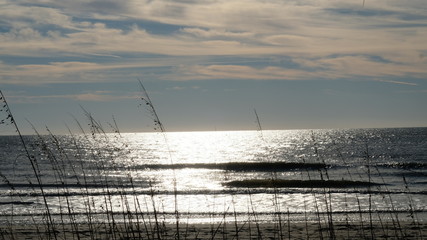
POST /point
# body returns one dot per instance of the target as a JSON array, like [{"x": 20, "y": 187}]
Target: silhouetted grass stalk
[
  {"x": 368, "y": 162},
  {"x": 316, "y": 205},
  {"x": 159, "y": 126},
  {"x": 326, "y": 191},
  {"x": 32, "y": 160},
  {"x": 122, "y": 211},
  {"x": 78, "y": 156},
  {"x": 412, "y": 214}
]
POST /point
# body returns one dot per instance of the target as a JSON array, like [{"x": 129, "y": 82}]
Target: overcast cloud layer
[{"x": 69, "y": 40}]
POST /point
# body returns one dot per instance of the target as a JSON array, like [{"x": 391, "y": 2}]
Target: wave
[
  {"x": 240, "y": 166},
  {"x": 233, "y": 191},
  {"x": 63, "y": 186},
  {"x": 230, "y": 213},
  {"x": 281, "y": 183},
  {"x": 404, "y": 165},
  {"x": 17, "y": 203}
]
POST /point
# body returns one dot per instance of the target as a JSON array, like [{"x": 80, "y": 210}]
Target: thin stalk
[
  {"x": 32, "y": 160},
  {"x": 220, "y": 224},
  {"x": 369, "y": 192},
  {"x": 326, "y": 192},
  {"x": 289, "y": 225},
  {"x": 159, "y": 126},
  {"x": 236, "y": 226},
  {"x": 259, "y": 234},
  {"x": 9, "y": 223},
  {"x": 87, "y": 201},
  {"x": 63, "y": 155},
  {"x": 138, "y": 212},
  {"x": 258, "y": 122},
  {"x": 306, "y": 218},
  {"x": 412, "y": 213},
  {"x": 316, "y": 205},
  {"x": 278, "y": 213},
  {"x": 153, "y": 202},
  {"x": 340, "y": 155}
]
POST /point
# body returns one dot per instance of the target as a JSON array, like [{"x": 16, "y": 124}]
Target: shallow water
[{"x": 155, "y": 172}]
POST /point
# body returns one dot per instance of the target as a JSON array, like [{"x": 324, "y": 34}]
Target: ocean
[{"x": 222, "y": 176}]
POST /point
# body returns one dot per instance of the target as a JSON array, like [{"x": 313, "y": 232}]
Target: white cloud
[
  {"x": 213, "y": 33},
  {"x": 24, "y": 16}
]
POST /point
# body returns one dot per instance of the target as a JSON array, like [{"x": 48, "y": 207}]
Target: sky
[{"x": 207, "y": 64}]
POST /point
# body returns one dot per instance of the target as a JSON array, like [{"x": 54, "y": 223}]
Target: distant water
[{"x": 150, "y": 172}]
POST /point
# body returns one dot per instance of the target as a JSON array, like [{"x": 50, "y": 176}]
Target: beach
[{"x": 245, "y": 230}]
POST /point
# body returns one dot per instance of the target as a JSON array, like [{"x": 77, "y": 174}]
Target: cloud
[
  {"x": 216, "y": 33},
  {"x": 94, "y": 96},
  {"x": 24, "y": 16},
  {"x": 363, "y": 66},
  {"x": 62, "y": 72},
  {"x": 242, "y": 72},
  {"x": 48, "y": 73},
  {"x": 330, "y": 39},
  {"x": 330, "y": 67},
  {"x": 340, "y": 67},
  {"x": 398, "y": 82},
  {"x": 98, "y": 97},
  {"x": 177, "y": 88}
]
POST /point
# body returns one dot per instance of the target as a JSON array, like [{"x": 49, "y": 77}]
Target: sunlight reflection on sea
[{"x": 195, "y": 168}]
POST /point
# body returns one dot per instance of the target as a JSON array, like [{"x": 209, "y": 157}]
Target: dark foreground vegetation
[{"x": 138, "y": 219}]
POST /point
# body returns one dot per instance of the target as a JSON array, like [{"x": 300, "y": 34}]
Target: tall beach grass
[{"x": 129, "y": 214}]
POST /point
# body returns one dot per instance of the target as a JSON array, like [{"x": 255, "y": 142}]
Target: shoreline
[{"x": 228, "y": 230}]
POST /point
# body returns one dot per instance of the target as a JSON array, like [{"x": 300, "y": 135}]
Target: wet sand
[{"x": 246, "y": 230}]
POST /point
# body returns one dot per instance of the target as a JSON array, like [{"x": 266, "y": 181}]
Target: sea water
[{"x": 186, "y": 175}]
